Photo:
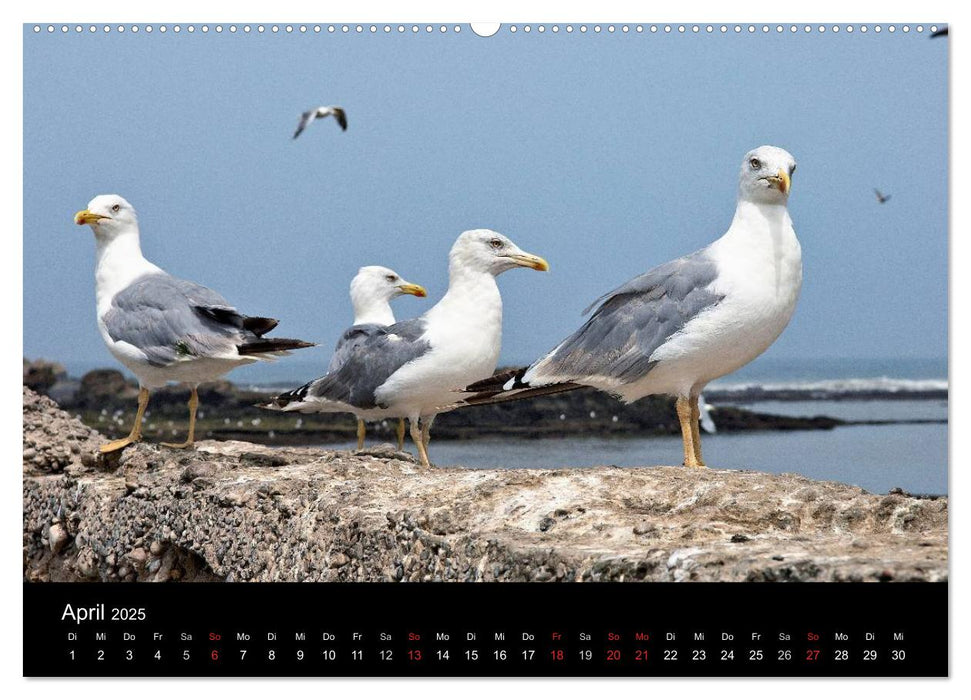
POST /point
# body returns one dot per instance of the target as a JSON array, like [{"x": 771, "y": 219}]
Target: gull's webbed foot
[
  {"x": 188, "y": 444},
  {"x": 116, "y": 445}
]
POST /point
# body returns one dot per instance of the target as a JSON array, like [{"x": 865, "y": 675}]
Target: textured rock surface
[
  {"x": 241, "y": 512},
  {"x": 53, "y": 439}
]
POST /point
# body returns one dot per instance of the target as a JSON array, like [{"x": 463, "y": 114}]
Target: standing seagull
[
  {"x": 320, "y": 113},
  {"x": 679, "y": 326},
  {"x": 165, "y": 329},
  {"x": 881, "y": 197},
  {"x": 372, "y": 290},
  {"x": 411, "y": 368}
]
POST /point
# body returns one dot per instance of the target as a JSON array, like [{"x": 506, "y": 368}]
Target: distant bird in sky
[
  {"x": 372, "y": 290},
  {"x": 940, "y": 32},
  {"x": 165, "y": 329},
  {"x": 412, "y": 368},
  {"x": 682, "y": 324},
  {"x": 319, "y": 113},
  {"x": 881, "y": 197}
]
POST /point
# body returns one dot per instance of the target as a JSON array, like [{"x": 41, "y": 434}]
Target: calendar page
[{"x": 437, "y": 349}]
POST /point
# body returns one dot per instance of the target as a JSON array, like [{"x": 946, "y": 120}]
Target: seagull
[
  {"x": 678, "y": 326},
  {"x": 940, "y": 32},
  {"x": 165, "y": 329},
  {"x": 881, "y": 197},
  {"x": 319, "y": 113},
  {"x": 372, "y": 290},
  {"x": 411, "y": 368}
]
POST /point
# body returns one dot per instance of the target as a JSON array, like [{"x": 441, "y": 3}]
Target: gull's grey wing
[
  {"x": 305, "y": 119},
  {"x": 633, "y": 321},
  {"x": 349, "y": 341},
  {"x": 169, "y": 319},
  {"x": 369, "y": 365}
]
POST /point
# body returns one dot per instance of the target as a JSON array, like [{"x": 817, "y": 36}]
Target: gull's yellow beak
[
  {"x": 415, "y": 289},
  {"x": 533, "y": 261},
  {"x": 782, "y": 181},
  {"x": 87, "y": 217}
]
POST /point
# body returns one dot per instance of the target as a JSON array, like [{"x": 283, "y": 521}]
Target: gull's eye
[
  {"x": 496, "y": 243},
  {"x": 755, "y": 163},
  {"x": 792, "y": 169},
  {"x": 116, "y": 208},
  {"x": 391, "y": 278}
]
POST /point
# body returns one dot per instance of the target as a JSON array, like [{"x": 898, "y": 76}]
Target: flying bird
[
  {"x": 678, "y": 326},
  {"x": 881, "y": 197},
  {"x": 319, "y": 113},
  {"x": 165, "y": 329},
  {"x": 940, "y": 32},
  {"x": 372, "y": 290},
  {"x": 411, "y": 368}
]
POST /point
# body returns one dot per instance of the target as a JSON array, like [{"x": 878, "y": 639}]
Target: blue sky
[{"x": 607, "y": 154}]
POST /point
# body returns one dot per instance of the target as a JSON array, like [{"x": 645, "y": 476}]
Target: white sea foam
[{"x": 829, "y": 387}]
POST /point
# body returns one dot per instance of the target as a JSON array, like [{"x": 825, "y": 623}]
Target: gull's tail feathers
[
  {"x": 288, "y": 401},
  {"x": 305, "y": 399},
  {"x": 509, "y": 385}
]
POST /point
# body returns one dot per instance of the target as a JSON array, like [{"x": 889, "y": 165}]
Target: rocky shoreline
[
  {"x": 105, "y": 400},
  {"x": 235, "y": 511}
]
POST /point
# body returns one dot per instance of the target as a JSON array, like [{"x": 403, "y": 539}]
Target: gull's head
[
  {"x": 766, "y": 175},
  {"x": 483, "y": 250},
  {"x": 108, "y": 215},
  {"x": 375, "y": 283}
]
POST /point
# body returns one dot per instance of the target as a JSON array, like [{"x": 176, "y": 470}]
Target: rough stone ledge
[{"x": 235, "y": 511}]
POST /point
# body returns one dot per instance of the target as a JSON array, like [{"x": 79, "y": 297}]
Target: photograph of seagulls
[{"x": 813, "y": 368}]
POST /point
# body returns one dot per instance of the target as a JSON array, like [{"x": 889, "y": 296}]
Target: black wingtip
[
  {"x": 488, "y": 397},
  {"x": 260, "y": 325},
  {"x": 268, "y": 345},
  {"x": 497, "y": 381}
]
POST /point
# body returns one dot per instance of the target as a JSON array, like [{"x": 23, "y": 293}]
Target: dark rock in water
[
  {"x": 106, "y": 401},
  {"x": 219, "y": 514},
  {"x": 41, "y": 375},
  {"x": 730, "y": 419},
  {"x": 101, "y": 388}
]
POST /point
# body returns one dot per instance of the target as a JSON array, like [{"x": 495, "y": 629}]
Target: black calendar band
[{"x": 482, "y": 629}]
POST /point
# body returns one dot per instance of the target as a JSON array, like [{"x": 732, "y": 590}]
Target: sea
[{"x": 906, "y": 449}]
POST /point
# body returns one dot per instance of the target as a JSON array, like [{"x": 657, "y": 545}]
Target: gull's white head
[
  {"x": 483, "y": 250},
  {"x": 374, "y": 283},
  {"x": 108, "y": 215},
  {"x": 766, "y": 175}
]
